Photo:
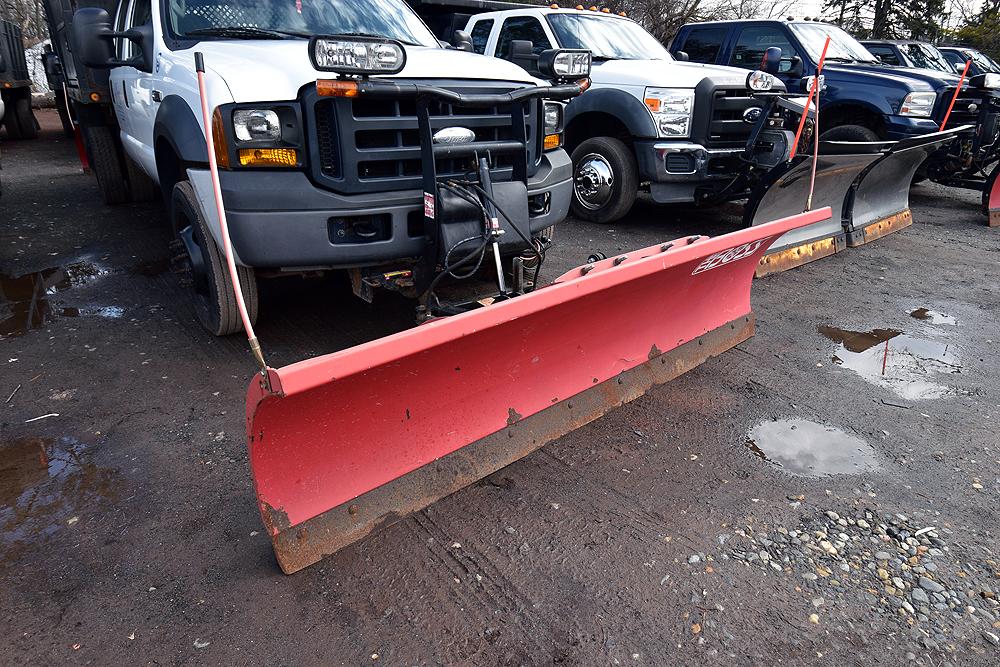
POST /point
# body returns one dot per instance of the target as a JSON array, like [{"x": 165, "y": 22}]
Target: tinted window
[
  {"x": 481, "y": 35},
  {"x": 522, "y": 27},
  {"x": 142, "y": 12},
  {"x": 703, "y": 44},
  {"x": 754, "y": 41},
  {"x": 884, "y": 53}
]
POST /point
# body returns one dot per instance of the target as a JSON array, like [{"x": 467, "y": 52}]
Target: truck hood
[
  {"x": 280, "y": 68},
  {"x": 664, "y": 73},
  {"x": 905, "y": 76}
]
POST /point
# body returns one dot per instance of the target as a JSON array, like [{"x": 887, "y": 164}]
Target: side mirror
[
  {"x": 682, "y": 56},
  {"x": 771, "y": 61},
  {"x": 50, "y": 63},
  {"x": 462, "y": 41},
  {"x": 959, "y": 67},
  {"x": 93, "y": 41},
  {"x": 522, "y": 54},
  {"x": 794, "y": 67}
]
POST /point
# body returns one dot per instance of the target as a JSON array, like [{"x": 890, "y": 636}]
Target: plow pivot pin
[
  {"x": 619, "y": 260},
  {"x": 692, "y": 239},
  {"x": 666, "y": 246}
]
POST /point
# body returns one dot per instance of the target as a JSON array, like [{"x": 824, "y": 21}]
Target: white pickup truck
[
  {"x": 313, "y": 176},
  {"x": 647, "y": 118}
]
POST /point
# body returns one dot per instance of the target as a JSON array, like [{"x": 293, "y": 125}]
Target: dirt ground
[{"x": 690, "y": 527}]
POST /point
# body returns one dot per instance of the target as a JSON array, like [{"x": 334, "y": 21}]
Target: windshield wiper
[
  {"x": 245, "y": 32},
  {"x": 841, "y": 59},
  {"x": 603, "y": 59}
]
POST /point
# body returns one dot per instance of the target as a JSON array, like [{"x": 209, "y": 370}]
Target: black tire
[
  {"x": 25, "y": 118},
  {"x": 849, "y": 133},
  {"x": 212, "y": 290},
  {"x": 105, "y": 160},
  {"x": 10, "y": 120},
  {"x": 605, "y": 180},
  {"x": 141, "y": 187}
]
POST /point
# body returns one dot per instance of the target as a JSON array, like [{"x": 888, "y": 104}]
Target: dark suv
[{"x": 864, "y": 100}]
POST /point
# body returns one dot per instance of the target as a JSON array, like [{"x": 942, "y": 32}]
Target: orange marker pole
[{"x": 812, "y": 93}]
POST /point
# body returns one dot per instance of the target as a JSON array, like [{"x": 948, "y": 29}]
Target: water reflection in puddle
[
  {"x": 802, "y": 447},
  {"x": 933, "y": 317},
  {"x": 47, "y": 484},
  {"x": 894, "y": 360},
  {"x": 25, "y": 299}
]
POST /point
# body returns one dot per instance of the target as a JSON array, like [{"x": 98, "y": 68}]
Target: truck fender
[
  {"x": 177, "y": 124},
  {"x": 625, "y": 107}
]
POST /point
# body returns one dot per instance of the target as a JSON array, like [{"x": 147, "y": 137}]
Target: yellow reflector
[
  {"x": 653, "y": 103},
  {"x": 552, "y": 141},
  {"x": 268, "y": 157},
  {"x": 95, "y": 97},
  {"x": 7, "y": 84},
  {"x": 219, "y": 140},
  {"x": 337, "y": 88}
]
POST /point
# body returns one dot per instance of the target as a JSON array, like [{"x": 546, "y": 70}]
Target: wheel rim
[{"x": 593, "y": 181}]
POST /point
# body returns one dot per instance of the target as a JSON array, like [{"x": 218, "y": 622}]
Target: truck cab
[
  {"x": 648, "y": 118},
  {"x": 863, "y": 99},
  {"x": 312, "y": 179},
  {"x": 957, "y": 56}
]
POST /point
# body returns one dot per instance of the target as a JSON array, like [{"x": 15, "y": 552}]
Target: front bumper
[
  {"x": 280, "y": 220},
  {"x": 676, "y": 169},
  {"x": 904, "y": 127}
]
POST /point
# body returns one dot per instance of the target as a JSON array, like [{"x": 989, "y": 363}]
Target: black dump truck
[{"x": 15, "y": 85}]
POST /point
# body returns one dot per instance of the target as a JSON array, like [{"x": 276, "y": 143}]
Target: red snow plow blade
[
  {"x": 351, "y": 441},
  {"x": 992, "y": 198}
]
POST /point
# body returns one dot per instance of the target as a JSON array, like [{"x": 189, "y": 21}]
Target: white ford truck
[
  {"x": 647, "y": 118},
  {"x": 320, "y": 136}
]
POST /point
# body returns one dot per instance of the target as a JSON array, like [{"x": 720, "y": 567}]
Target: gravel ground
[{"x": 786, "y": 503}]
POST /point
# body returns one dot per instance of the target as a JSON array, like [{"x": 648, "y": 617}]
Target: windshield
[
  {"x": 607, "y": 38},
  {"x": 927, "y": 57},
  {"x": 983, "y": 60},
  {"x": 282, "y": 19},
  {"x": 843, "y": 47}
]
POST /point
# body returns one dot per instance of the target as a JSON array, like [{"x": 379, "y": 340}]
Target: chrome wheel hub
[{"x": 593, "y": 182}]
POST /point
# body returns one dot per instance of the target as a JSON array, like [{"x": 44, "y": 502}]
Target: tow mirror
[
  {"x": 794, "y": 67},
  {"x": 522, "y": 54},
  {"x": 94, "y": 41},
  {"x": 682, "y": 56},
  {"x": 771, "y": 62},
  {"x": 462, "y": 41}
]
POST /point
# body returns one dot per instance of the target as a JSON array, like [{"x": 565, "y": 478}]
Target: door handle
[{"x": 156, "y": 95}]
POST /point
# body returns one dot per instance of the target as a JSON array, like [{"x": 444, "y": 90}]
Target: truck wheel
[
  {"x": 141, "y": 187},
  {"x": 211, "y": 287},
  {"x": 106, "y": 163},
  {"x": 10, "y": 121},
  {"x": 605, "y": 180},
  {"x": 849, "y": 133},
  {"x": 25, "y": 119}
]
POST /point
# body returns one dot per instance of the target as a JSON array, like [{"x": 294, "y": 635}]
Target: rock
[
  {"x": 833, "y": 515},
  {"x": 814, "y": 618},
  {"x": 882, "y": 555},
  {"x": 898, "y": 583},
  {"x": 694, "y": 560},
  {"x": 827, "y": 547},
  {"x": 810, "y": 576},
  {"x": 844, "y": 567},
  {"x": 863, "y": 524},
  {"x": 882, "y": 574},
  {"x": 991, "y": 638},
  {"x": 908, "y": 607},
  {"x": 930, "y": 585},
  {"x": 919, "y": 596},
  {"x": 775, "y": 566}
]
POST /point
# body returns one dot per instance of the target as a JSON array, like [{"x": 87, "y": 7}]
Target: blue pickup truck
[{"x": 864, "y": 99}]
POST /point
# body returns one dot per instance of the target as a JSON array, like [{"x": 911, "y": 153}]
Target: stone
[
  {"x": 693, "y": 560},
  {"x": 919, "y": 596},
  {"x": 882, "y": 555},
  {"x": 930, "y": 585}
]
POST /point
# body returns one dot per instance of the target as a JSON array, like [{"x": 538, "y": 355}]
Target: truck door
[
  {"x": 754, "y": 40},
  {"x": 137, "y": 92}
]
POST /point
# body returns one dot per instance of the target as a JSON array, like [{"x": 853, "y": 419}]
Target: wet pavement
[{"x": 693, "y": 526}]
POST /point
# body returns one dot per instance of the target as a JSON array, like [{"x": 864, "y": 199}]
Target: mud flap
[
  {"x": 347, "y": 442},
  {"x": 783, "y": 192},
  {"x": 992, "y": 197},
  {"x": 879, "y": 202}
]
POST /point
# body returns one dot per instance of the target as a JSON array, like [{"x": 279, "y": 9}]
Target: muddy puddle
[
  {"x": 933, "y": 317},
  {"x": 912, "y": 368},
  {"x": 26, "y": 301},
  {"x": 47, "y": 485},
  {"x": 803, "y": 447}
]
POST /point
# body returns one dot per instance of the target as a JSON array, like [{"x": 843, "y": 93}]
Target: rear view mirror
[
  {"x": 93, "y": 40},
  {"x": 959, "y": 67},
  {"x": 462, "y": 41},
  {"x": 682, "y": 56},
  {"x": 793, "y": 69},
  {"x": 771, "y": 63}
]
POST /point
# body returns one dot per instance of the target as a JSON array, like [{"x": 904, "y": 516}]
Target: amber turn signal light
[
  {"x": 268, "y": 157},
  {"x": 552, "y": 141},
  {"x": 336, "y": 88}
]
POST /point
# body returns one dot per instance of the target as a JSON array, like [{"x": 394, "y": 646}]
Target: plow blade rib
[
  {"x": 347, "y": 442},
  {"x": 879, "y": 202},
  {"x": 783, "y": 192}
]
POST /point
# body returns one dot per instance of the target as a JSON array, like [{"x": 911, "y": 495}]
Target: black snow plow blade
[{"x": 866, "y": 185}]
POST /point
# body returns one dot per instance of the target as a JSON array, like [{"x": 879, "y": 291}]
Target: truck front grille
[
  {"x": 727, "y": 128},
  {"x": 373, "y": 145},
  {"x": 966, "y": 109}
]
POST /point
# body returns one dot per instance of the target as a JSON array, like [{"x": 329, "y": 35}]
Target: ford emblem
[
  {"x": 454, "y": 136},
  {"x": 752, "y": 115}
]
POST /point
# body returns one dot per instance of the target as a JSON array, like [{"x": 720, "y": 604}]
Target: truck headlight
[
  {"x": 919, "y": 105},
  {"x": 759, "y": 81},
  {"x": 671, "y": 109},
  {"x": 256, "y": 125},
  {"x": 357, "y": 55},
  {"x": 553, "y": 125}
]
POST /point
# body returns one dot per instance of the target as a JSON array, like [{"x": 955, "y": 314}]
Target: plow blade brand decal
[
  {"x": 344, "y": 443},
  {"x": 879, "y": 202},
  {"x": 783, "y": 192}
]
